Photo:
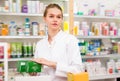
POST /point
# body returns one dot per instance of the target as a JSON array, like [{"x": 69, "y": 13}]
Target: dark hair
[{"x": 52, "y": 6}]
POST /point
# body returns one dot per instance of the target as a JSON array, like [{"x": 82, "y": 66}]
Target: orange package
[
  {"x": 4, "y": 31},
  {"x": 83, "y": 76}
]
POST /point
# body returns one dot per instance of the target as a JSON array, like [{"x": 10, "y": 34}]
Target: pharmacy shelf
[
  {"x": 100, "y": 17},
  {"x": 103, "y": 56},
  {"x": 43, "y": 78},
  {"x": 33, "y": 78},
  {"x": 21, "y": 37},
  {"x": 25, "y": 14},
  {"x": 18, "y": 59},
  {"x": 57, "y": 0},
  {"x": 1, "y": 60},
  {"x": 100, "y": 77},
  {"x": 96, "y": 37}
]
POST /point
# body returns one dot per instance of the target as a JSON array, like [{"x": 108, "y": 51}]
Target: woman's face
[{"x": 53, "y": 19}]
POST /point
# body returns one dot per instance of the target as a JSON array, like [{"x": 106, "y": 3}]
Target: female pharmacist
[{"x": 59, "y": 51}]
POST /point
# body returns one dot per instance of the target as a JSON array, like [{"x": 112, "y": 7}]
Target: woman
[{"x": 59, "y": 52}]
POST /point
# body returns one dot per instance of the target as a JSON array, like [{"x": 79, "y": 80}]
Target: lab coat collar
[{"x": 57, "y": 36}]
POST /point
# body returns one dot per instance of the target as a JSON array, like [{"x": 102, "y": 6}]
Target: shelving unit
[
  {"x": 105, "y": 77},
  {"x": 103, "y": 56},
  {"x": 26, "y": 14},
  {"x": 18, "y": 59},
  {"x": 36, "y": 78},
  {"x": 111, "y": 77},
  {"x": 1, "y": 60},
  {"x": 89, "y": 5},
  {"x": 4, "y": 60},
  {"x": 22, "y": 37},
  {"x": 96, "y": 37},
  {"x": 96, "y": 17}
]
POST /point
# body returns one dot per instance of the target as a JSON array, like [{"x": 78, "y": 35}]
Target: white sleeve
[{"x": 74, "y": 59}]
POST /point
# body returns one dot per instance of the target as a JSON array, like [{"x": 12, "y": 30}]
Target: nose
[{"x": 55, "y": 19}]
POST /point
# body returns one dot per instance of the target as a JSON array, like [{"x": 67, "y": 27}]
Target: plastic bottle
[
  {"x": 29, "y": 50},
  {"x": 13, "y": 50},
  {"x": 0, "y": 26},
  {"x": 35, "y": 28},
  {"x": 19, "y": 49},
  {"x": 82, "y": 47},
  {"x": 101, "y": 9},
  {"x": 114, "y": 46},
  {"x": 24, "y": 47},
  {"x": 12, "y": 29},
  {"x": 117, "y": 10},
  {"x": 1, "y": 51},
  {"x": 66, "y": 26},
  {"x": 4, "y": 30},
  {"x": 76, "y": 28},
  {"x": 27, "y": 27},
  {"x": 117, "y": 64}
]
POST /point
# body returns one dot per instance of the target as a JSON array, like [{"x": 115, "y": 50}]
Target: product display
[
  {"x": 28, "y": 66},
  {"x": 95, "y": 23}
]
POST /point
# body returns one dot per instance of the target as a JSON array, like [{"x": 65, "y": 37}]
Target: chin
[{"x": 54, "y": 29}]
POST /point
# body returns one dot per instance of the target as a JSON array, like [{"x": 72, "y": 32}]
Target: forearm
[
  {"x": 45, "y": 62},
  {"x": 52, "y": 64}
]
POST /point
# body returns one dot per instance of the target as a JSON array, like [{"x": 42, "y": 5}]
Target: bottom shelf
[
  {"x": 102, "y": 77},
  {"x": 33, "y": 78},
  {"x": 112, "y": 77}
]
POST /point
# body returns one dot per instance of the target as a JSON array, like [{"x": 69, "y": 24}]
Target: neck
[{"x": 51, "y": 34}]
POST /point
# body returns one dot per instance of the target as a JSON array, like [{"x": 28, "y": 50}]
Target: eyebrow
[{"x": 55, "y": 14}]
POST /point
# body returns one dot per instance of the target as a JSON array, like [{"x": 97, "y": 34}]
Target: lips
[{"x": 55, "y": 24}]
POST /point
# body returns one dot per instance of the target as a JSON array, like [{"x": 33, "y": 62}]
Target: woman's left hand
[{"x": 45, "y": 62}]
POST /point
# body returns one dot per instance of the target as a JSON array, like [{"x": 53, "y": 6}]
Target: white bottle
[
  {"x": 12, "y": 29},
  {"x": 118, "y": 65},
  {"x": 35, "y": 28},
  {"x": 101, "y": 9},
  {"x": 117, "y": 10}
]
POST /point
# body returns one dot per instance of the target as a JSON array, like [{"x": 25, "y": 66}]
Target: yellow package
[{"x": 78, "y": 77}]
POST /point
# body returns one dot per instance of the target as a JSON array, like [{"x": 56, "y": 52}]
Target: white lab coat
[{"x": 65, "y": 51}]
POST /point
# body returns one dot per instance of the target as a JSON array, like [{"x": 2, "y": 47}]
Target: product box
[
  {"x": 83, "y": 76},
  {"x": 21, "y": 66},
  {"x": 28, "y": 66},
  {"x": 33, "y": 67}
]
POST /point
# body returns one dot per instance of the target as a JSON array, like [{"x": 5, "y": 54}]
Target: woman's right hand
[
  {"x": 33, "y": 74},
  {"x": 45, "y": 62}
]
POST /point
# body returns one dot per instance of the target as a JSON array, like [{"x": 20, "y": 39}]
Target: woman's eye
[
  {"x": 59, "y": 17},
  {"x": 50, "y": 16}
]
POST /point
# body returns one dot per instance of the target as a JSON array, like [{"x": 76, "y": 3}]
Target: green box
[
  {"x": 21, "y": 66},
  {"x": 28, "y": 66},
  {"x": 33, "y": 67}
]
